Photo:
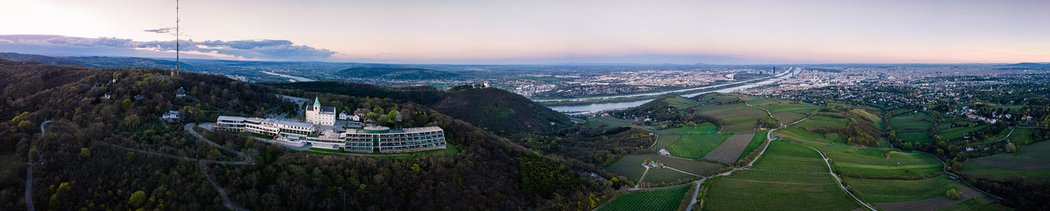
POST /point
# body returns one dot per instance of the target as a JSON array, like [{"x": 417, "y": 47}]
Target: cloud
[
  {"x": 283, "y": 50},
  {"x": 160, "y": 30}
]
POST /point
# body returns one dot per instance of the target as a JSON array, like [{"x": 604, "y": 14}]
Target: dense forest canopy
[{"x": 101, "y": 152}]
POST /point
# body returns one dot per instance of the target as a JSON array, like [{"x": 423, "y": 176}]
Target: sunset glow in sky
[{"x": 552, "y": 31}]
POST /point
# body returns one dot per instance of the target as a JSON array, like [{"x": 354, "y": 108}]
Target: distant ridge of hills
[
  {"x": 1029, "y": 65},
  {"x": 95, "y": 61},
  {"x": 496, "y": 110},
  {"x": 399, "y": 73}
]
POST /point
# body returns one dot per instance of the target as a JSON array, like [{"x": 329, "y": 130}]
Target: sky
[{"x": 541, "y": 31}]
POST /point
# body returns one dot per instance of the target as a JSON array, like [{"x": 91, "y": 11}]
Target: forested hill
[
  {"x": 397, "y": 73},
  {"x": 501, "y": 111},
  {"x": 497, "y": 110},
  {"x": 103, "y": 153}
]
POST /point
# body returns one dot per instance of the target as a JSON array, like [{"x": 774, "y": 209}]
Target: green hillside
[{"x": 395, "y": 73}]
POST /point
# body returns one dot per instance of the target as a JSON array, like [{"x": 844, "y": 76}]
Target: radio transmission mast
[{"x": 178, "y": 64}]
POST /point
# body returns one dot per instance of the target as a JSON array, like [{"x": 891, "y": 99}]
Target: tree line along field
[
  {"x": 662, "y": 199},
  {"x": 788, "y": 177}
]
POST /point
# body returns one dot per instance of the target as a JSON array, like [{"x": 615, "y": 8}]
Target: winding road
[{"x": 29, "y": 169}]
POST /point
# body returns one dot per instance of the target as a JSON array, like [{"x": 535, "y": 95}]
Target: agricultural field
[
  {"x": 868, "y": 116},
  {"x": 756, "y": 141},
  {"x": 958, "y": 129},
  {"x": 1022, "y": 136},
  {"x": 857, "y": 161},
  {"x": 735, "y": 118},
  {"x": 912, "y": 127},
  {"x": 824, "y": 122},
  {"x": 631, "y": 167},
  {"x": 696, "y": 146},
  {"x": 788, "y": 177},
  {"x": 785, "y": 111},
  {"x": 698, "y": 129},
  {"x": 731, "y": 149},
  {"x": 978, "y": 204},
  {"x": 662, "y": 199},
  {"x": 1030, "y": 162},
  {"x": 886, "y": 190}
]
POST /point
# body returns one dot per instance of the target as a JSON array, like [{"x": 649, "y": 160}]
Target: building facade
[
  {"x": 367, "y": 139},
  {"x": 321, "y": 115}
]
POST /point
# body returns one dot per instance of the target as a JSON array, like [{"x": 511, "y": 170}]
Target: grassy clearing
[
  {"x": 1022, "y": 136},
  {"x": 1030, "y": 162},
  {"x": 696, "y": 146},
  {"x": 680, "y": 102},
  {"x": 788, "y": 177},
  {"x": 882, "y": 190},
  {"x": 958, "y": 129},
  {"x": 663, "y": 199},
  {"x": 856, "y": 161},
  {"x": 755, "y": 142},
  {"x": 609, "y": 122}
]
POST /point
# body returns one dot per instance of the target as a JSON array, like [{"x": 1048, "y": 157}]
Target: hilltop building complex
[{"x": 323, "y": 130}]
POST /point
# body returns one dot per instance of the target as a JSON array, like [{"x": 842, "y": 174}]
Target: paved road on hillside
[{"x": 29, "y": 169}]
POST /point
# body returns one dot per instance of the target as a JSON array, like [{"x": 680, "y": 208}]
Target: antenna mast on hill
[{"x": 178, "y": 64}]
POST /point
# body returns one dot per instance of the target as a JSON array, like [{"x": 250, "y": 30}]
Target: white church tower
[{"x": 320, "y": 115}]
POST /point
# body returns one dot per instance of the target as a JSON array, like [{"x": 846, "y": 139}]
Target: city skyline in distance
[{"x": 678, "y": 32}]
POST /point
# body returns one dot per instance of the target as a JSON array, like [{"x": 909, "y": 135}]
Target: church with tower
[{"x": 320, "y": 115}]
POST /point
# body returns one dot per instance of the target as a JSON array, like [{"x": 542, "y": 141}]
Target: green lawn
[
  {"x": 884, "y": 190},
  {"x": 696, "y": 146},
  {"x": 788, "y": 177},
  {"x": 1022, "y": 136},
  {"x": 663, "y": 199},
  {"x": 1031, "y": 162},
  {"x": 756, "y": 141}
]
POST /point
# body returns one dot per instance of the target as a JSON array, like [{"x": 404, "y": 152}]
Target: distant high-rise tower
[{"x": 774, "y": 70}]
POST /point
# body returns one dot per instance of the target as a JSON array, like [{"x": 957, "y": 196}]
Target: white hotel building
[{"x": 320, "y": 132}]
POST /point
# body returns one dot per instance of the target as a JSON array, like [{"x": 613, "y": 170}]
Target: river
[{"x": 599, "y": 107}]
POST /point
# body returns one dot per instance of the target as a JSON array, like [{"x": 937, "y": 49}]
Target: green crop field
[
  {"x": 885, "y": 190},
  {"x": 698, "y": 129},
  {"x": 1022, "y": 136},
  {"x": 735, "y": 118},
  {"x": 696, "y": 146},
  {"x": 785, "y": 111},
  {"x": 754, "y": 144},
  {"x": 857, "y": 161},
  {"x": 1030, "y": 162},
  {"x": 630, "y": 166},
  {"x": 788, "y": 177},
  {"x": 663, "y": 199},
  {"x": 912, "y": 127}
]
